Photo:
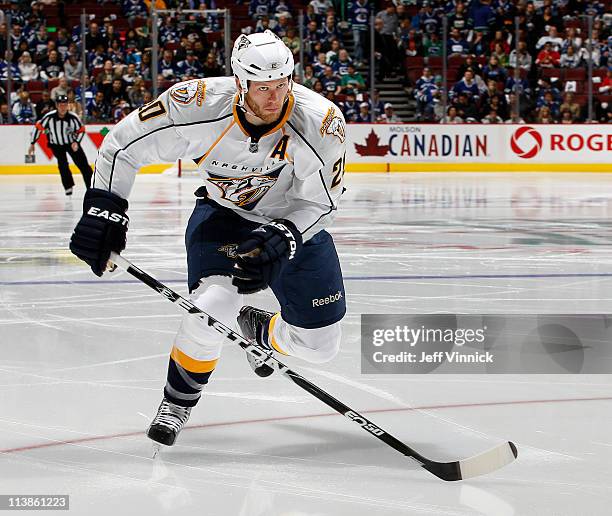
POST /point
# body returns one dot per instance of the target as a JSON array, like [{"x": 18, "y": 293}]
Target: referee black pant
[{"x": 80, "y": 160}]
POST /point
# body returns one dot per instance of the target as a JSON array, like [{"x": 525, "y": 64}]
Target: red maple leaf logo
[
  {"x": 43, "y": 142},
  {"x": 96, "y": 138},
  {"x": 371, "y": 148}
]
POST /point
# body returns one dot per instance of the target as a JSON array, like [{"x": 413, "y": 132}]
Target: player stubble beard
[{"x": 255, "y": 111}]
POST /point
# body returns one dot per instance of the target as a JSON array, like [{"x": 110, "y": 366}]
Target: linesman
[{"x": 65, "y": 132}]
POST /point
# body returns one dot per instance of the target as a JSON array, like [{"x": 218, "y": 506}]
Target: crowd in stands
[
  {"x": 487, "y": 69},
  {"x": 490, "y": 73}
]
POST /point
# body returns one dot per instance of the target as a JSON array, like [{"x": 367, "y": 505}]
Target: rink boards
[{"x": 398, "y": 148}]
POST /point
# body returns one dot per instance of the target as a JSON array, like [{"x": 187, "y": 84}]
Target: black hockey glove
[
  {"x": 262, "y": 256},
  {"x": 102, "y": 229}
]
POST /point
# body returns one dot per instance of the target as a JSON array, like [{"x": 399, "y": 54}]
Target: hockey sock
[{"x": 184, "y": 387}]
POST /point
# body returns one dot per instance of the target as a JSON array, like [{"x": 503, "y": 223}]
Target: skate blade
[{"x": 156, "y": 450}]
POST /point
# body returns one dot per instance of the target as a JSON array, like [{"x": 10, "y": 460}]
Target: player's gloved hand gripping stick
[
  {"x": 102, "y": 228},
  {"x": 486, "y": 462},
  {"x": 261, "y": 257}
]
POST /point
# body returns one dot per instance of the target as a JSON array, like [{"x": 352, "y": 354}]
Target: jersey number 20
[{"x": 151, "y": 110}]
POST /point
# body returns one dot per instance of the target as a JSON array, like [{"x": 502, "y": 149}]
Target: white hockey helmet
[{"x": 260, "y": 57}]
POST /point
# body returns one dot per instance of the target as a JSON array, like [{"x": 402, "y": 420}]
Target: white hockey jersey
[{"x": 294, "y": 170}]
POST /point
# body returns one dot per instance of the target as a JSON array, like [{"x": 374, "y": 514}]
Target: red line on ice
[{"x": 307, "y": 416}]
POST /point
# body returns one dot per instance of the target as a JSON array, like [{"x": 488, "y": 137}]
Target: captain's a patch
[
  {"x": 186, "y": 93},
  {"x": 333, "y": 124}
]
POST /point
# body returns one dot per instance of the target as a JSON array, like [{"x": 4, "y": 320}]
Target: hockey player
[{"x": 271, "y": 154}]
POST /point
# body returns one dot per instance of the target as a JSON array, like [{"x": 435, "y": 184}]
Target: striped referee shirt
[{"x": 59, "y": 131}]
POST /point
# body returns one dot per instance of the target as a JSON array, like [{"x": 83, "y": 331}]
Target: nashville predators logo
[
  {"x": 243, "y": 43},
  {"x": 229, "y": 250},
  {"x": 333, "y": 125},
  {"x": 187, "y": 92},
  {"x": 245, "y": 192}
]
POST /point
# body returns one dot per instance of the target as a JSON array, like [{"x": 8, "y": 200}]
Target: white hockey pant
[{"x": 219, "y": 298}]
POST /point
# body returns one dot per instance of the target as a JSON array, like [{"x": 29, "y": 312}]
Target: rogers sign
[{"x": 527, "y": 142}]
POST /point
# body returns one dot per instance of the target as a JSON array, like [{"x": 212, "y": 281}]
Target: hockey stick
[{"x": 486, "y": 462}]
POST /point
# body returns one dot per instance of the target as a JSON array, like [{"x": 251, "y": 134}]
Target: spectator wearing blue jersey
[
  {"x": 311, "y": 36},
  {"x": 493, "y": 71},
  {"x": 363, "y": 117},
  {"x": 341, "y": 65},
  {"x": 330, "y": 81},
  {"x": 425, "y": 101},
  {"x": 329, "y": 31},
  {"x": 319, "y": 65},
  {"x": 428, "y": 20},
  {"x": 517, "y": 85},
  {"x": 168, "y": 32},
  {"x": 282, "y": 7},
  {"x": 16, "y": 37},
  {"x": 4, "y": 68},
  {"x": 37, "y": 42},
  {"x": 167, "y": 67},
  {"x": 259, "y": 8},
  {"x": 190, "y": 67},
  {"x": 544, "y": 86},
  {"x": 282, "y": 25},
  {"x": 483, "y": 15},
  {"x": 359, "y": 14},
  {"x": 90, "y": 91},
  {"x": 425, "y": 79},
  {"x": 350, "y": 108},
  {"x": 466, "y": 85},
  {"x": 549, "y": 101},
  {"x": 457, "y": 45},
  {"x": 133, "y": 9},
  {"x": 24, "y": 111},
  {"x": 96, "y": 59},
  {"x": 62, "y": 43}
]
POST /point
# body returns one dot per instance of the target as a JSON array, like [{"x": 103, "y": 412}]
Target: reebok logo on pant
[{"x": 327, "y": 300}]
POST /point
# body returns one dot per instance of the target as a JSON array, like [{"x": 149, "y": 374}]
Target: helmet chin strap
[{"x": 242, "y": 96}]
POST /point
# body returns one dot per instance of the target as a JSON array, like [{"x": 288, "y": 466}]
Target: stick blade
[{"x": 481, "y": 464}]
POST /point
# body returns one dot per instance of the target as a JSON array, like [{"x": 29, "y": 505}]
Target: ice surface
[{"x": 84, "y": 359}]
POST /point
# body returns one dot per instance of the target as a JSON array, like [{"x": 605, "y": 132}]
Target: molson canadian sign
[{"x": 479, "y": 143}]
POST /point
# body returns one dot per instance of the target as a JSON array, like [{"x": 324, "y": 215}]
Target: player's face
[{"x": 266, "y": 99}]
